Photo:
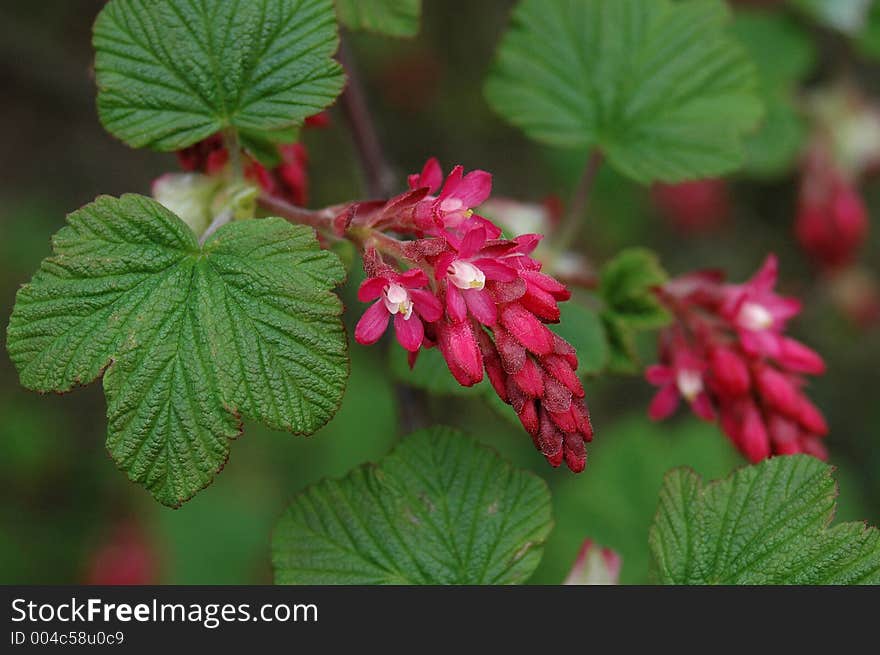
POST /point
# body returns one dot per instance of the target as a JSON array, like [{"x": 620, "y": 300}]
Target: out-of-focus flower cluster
[
  {"x": 456, "y": 284},
  {"x": 728, "y": 356}
]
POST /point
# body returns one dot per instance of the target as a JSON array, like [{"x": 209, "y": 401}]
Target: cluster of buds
[
  {"x": 832, "y": 220},
  {"x": 727, "y": 355},
  {"x": 288, "y": 180},
  {"x": 482, "y": 300}
]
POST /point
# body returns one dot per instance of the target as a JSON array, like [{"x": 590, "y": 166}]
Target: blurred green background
[{"x": 68, "y": 515}]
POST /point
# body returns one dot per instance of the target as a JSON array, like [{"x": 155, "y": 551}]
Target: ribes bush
[{"x": 214, "y": 303}]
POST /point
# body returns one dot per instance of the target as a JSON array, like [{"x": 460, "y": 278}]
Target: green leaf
[
  {"x": 173, "y": 72},
  {"x": 658, "y": 86},
  {"x": 440, "y": 509},
  {"x": 262, "y": 145},
  {"x": 391, "y": 17},
  {"x": 784, "y": 56},
  {"x": 582, "y": 328},
  {"x": 868, "y": 41},
  {"x": 765, "y": 524},
  {"x": 622, "y": 353},
  {"x": 626, "y": 286},
  {"x": 192, "y": 338},
  {"x": 626, "y": 468}
]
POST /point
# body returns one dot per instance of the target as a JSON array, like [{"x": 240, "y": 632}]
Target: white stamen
[
  {"x": 755, "y": 317},
  {"x": 397, "y": 300},
  {"x": 465, "y": 275},
  {"x": 690, "y": 384}
]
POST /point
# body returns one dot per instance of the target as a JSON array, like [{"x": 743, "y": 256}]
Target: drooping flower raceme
[
  {"x": 728, "y": 357},
  {"x": 486, "y": 305}
]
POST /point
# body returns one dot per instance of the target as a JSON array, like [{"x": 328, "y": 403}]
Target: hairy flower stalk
[{"x": 727, "y": 356}]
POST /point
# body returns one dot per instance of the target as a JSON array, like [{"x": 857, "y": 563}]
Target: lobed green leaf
[
  {"x": 765, "y": 524},
  {"x": 440, "y": 509},
  {"x": 193, "y": 338},
  {"x": 173, "y": 72},
  {"x": 391, "y": 17},
  {"x": 658, "y": 86}
]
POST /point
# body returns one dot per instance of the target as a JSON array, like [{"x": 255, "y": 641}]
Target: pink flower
[
  {"x": 465, "y": 268},
  {"x": 453, "y": 208},
  {"x": 682, "y": 377},
  {"x": 400, "y": 295},
  {"x": 757, "y": 312},
  {"x": 753, "y": 378}
]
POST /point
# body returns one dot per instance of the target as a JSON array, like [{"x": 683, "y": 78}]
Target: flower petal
[
  {"x": 426, "y": 304},
  {"x": 371, "y": 288},
  {"x": 372, "y": 325},
  {"x": 455, "y": 304},
  {"x": 480, "y": 304},
  {"x": 664, "y": 403},
  {"x": 475, "y": 188},
  {"x": 410, "y": 332}
]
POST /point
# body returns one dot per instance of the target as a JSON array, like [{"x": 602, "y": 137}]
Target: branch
[
  {"x": 573, "y": 220},
  {"x": 320, "y": 219},
  {"x": 377, "y": 171}
]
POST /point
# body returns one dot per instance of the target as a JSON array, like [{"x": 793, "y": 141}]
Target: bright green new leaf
[
  {"x": 391, "y": 17},
  {"x": 440, "y": 509},
  {"x": 172, "y": 72},
  {"x": 657, "y": 85},
  {"x": 193, "y": 338},
  {"x": 627, "y": 284},
  {"x": 765, "y": 524}
]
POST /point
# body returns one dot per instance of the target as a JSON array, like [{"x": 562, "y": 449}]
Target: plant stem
[
  {"x": 233, "y": 147},
  {"x": 377, "y": 172},
  {"x": 320, "y": 219},
  {"x": 572, "y": 222}
]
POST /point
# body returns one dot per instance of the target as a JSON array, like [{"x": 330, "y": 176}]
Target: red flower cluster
[
  {"x": 483, "y": 301},
  {"x": 727, "y": 356},
  {"x": 289, "y": 180},
  {"x": 832, "y": 220}
]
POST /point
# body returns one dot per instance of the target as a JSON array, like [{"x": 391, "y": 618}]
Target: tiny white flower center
[
  {"x": 690, "y": 384},
  {"x": 465, "y": 275},
  {"x": 755, "y": 317},
  {"x": 397, "y": 300}
]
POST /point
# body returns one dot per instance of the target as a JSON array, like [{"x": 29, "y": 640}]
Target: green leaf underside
[
  {"x": 391, "y": 17},
  {"x": 440, "y": 509},
  {"x": 627, "y": 285},
  {"x": 193, "y": 338},
  {"x": 658, "y": 86},
  {"x": 173, "y": 72},
  {"x": 765, "y": 524}
]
